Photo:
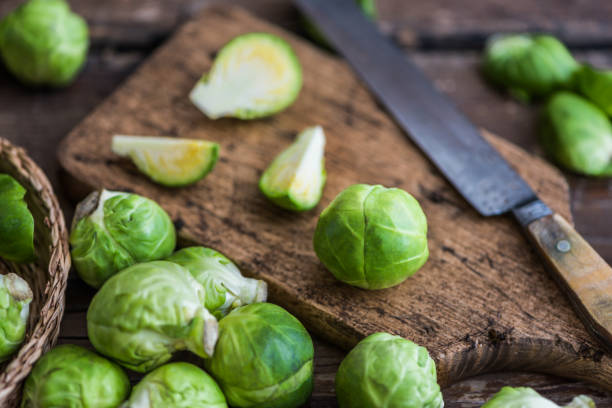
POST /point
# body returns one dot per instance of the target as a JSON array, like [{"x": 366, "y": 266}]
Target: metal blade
[{"x": 454, "y": 145}]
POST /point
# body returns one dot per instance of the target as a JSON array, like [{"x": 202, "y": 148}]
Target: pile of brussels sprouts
[{"x": 575, "y": 130}]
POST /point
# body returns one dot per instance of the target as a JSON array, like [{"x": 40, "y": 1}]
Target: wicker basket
[{"x": 47, "y": 277}]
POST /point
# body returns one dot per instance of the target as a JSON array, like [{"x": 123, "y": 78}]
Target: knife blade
[{"x": 467, "y": 160}]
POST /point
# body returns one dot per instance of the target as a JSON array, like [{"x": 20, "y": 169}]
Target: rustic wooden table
[{"x": 445, "y": 38}]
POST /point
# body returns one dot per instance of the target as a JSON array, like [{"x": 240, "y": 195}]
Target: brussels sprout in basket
[
  {"x": 524, "y": 397},
  {"x": 372, "y": 237},
  {"x": 145, "y": 313},
  {"x": 264, "y": 358},
  {"x": 388, "y": 371},
  {"x": 71, "y": 376},
  {"x": 176, "y": 385},
  {"x": 113, "y": 230},
  {"x": 15, "y": 298},
  {"x": 596, "y": 85},
  {"x": 16, "y": 222},
  {"x": 224, "y": 285}
]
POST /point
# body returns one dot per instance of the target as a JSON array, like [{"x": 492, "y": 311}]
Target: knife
[{"x": 466, "y": 159}]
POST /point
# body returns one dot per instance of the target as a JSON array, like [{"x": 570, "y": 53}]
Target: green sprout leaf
[
  {"x": 15, "y": 299},
  {"x": 596, "y": 85},
  {"x": 16, "y": 222},
  {"x": 524, "y": 397}
]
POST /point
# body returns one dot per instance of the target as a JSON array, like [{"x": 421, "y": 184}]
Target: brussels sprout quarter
[
  {"x": 224, "y": 285},
  {"x": 43, "y": 43},
  {"x": 15, "y": 298},
  {"x": 147, "y": 312},
  {"x": 113, "y": 230},
  {"x": 387, "y": 371},
  {"x": 71, "y": 376},
  {"x": 176, "y": 385},
  {"x": 16, "y": 222},
  {"x": 524, "y": 397},
  {"x": 372, "y": 237},
  {"x": 596, "y": 85},
  {"x": 263, "y": 358}
]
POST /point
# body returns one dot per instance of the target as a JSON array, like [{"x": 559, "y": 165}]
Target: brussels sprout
[
  {"x": 296, "y": 178},
  {"x": 147, "y": 312},
  {"x": 176, "y": 385},
  {"x": 71, "y": 376},
  {"x": 263, "y": 358},
  {"x": 16, "y": 222},
  {"x": 529, "y": 65},
  {"x": 15, "y": 298},
  {"x": 524, "y": 397},
  {"x": 596, "y": 85},
  {"x": 577, "y": 135},
  {"x": 253, "y": 76},
  {"x": 113, "y": 230},
  {"x": 224, "y": 285},
  {"x": 372, "y": 237},
  {"x": 43, "y": 43}
]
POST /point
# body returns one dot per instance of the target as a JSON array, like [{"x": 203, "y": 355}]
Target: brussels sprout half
[
  {"x": 296, "y": 178},
  {"x": 224, "y": 285},
  {"x": 577, "y": 135},
  {"x": 524, "y": 397},
  {"x": 372, "y": 237},
  {"x": 43, "y": 43},
  {"x": 15, "y": 298},
  {"x": 263, "y": 358},
  {"x": 176, "y": 385},
  {"x": 113, "y": 230},
  {"x": 145, "y": 313},
  {"x": 253, "y": 76},
  {"x": 71, "y": 376},
  {"x": 596, "y": 85},
  {"x": 16, "y": 222}
]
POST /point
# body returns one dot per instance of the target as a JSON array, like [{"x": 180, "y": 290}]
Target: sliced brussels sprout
[
  {"x": 146, "y": 312},
  {"x": 372, "y": 237},
  {"x": 253, "y": 76},
  {"x": 176, "y": 385},
  {"x": 263, "y": 358},
  {"x": 388, "y": 368},
  {"x": 15, "y": 298},
  {"x": 16, "y": 222},
  {"x": 596, "y": 85},
  {"x": 224, "y": 285},
  {"x": 169, "y": 161},
  {"x": 43, "y": 43},
  {"x": 71, "y": 376},
  {"x": 113, "y": 230},
  {"x": 524, "y": 397},
  {"x": 529, "y": 65},
  {"x": 296, "y": 178},
  {"x": 577, "y": 135}
]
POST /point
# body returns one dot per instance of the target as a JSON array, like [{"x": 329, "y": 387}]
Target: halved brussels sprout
[
  {"x": 113, "y": 230},
  {"x": 529, "y": 65},
  {"x": 372, "y": 237},
  {"x": 71, "y": 376},
  {"x": 16, "y": 222},
  {"x": 263, "y": 358},
  {"x": 577, "y": 135},
  {"x": 224, "y": 285},
  {"x": 253, "y": 76},
  {"x": 524, "y": 397},
  {"x": 146, "y": 312},
  {"x": 596, "y": 85},
  {"x": 176, "y": 385},
  {"x": 15, "y": 298},
  {"x": 43, "y": 43},
  {"x": 296, "y": 178}
]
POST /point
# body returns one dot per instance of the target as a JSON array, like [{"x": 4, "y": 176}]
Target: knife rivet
[{"x": 563, "y": 246}]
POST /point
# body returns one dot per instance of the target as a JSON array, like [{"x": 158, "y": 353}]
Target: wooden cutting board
[{"x": 483, "y": 301}]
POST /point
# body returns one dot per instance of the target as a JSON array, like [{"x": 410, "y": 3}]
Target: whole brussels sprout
[
  {"x": 388, "y": 371},
  {"x": 16, "y": 222},
  {"x": 176, "y": 385},
  {"x": 71, "y": 376},
  {"x": 43, "y": 43},
  {"x": 577, "y": 135},
  {"x": 147, "y": 312},
  {"x": 15, "y": 298},
  {"x": 524, "y": 397},
  {"x": 372, "y": 237},
  {"x": 113, "y": 230},
  {"x": 263, "y": 358},
  {"x": 529, "y": 65},
  {"x": 224, "y": 285},
  {"x": 596, "y": 85}
]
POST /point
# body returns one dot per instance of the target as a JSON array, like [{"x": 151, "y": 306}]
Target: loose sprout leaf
[
  {"x": 296, "y": 178},
  {"x": 522, "y": 397},
  {"x": 169, "y": 161},
  {"x": 16, "y": 222},
  {"x": 253, "y": 76},
  {"x": 15, "y": 298},
  {"x": 581, "y": 401},
  {"x": 596, "y": 85}
]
